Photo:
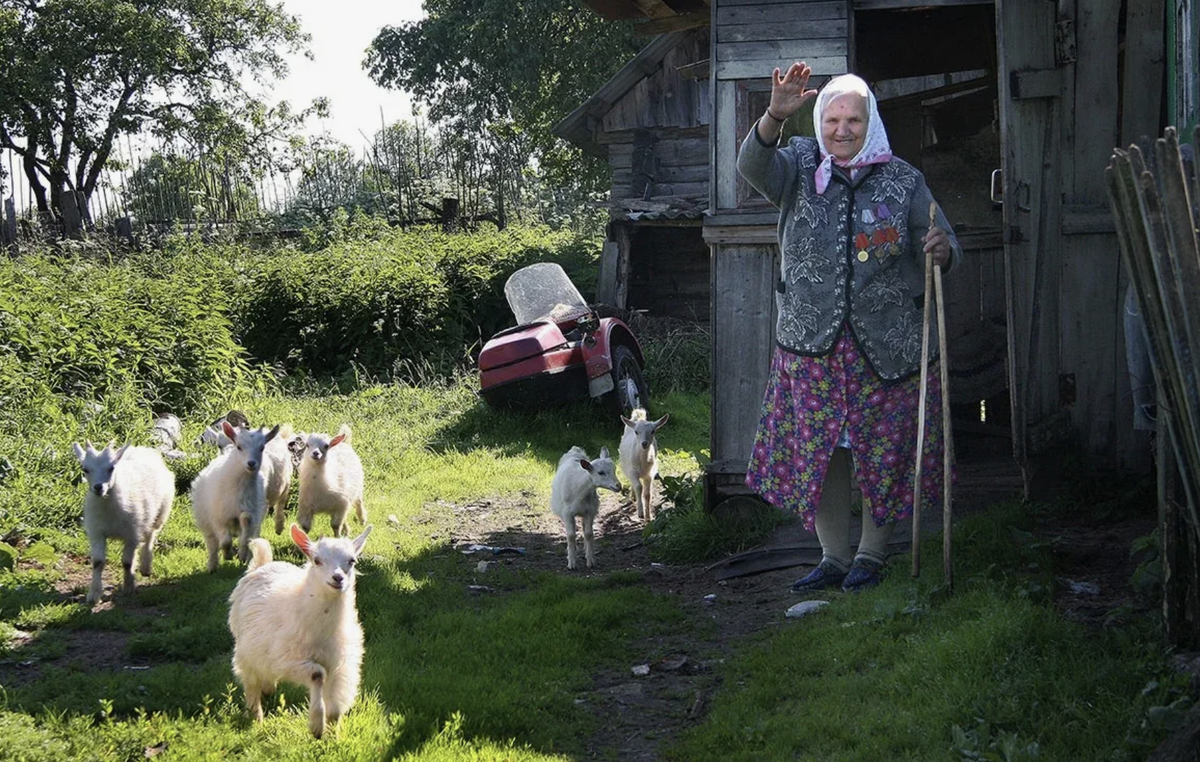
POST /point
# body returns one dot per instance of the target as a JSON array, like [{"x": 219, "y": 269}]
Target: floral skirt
[{"x": 810, "y": 401}]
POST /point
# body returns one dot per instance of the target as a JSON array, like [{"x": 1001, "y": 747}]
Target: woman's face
[{"x": 844, "y": 126}]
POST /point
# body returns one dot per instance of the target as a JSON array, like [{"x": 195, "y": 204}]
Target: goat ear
[
  {"x": 121, "y": 452},
  {"x": 79, "y": 453},
  {"x": 361, "y": 540},
  {"x": 337, "y": 440},
  {"x": 627, "y": 422},
  {"x": 302, "y": 541},
  {"x": 229, "y": 431},
  {"x": 272, "y": 433},
  {"x": 662, "y": 421},
  {"x": 585, "y": 464},
  {"x": 603, "y": 453}
]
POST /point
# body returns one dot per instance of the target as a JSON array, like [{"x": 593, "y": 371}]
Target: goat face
[
  {"x": 644, "y": 431},
  {"x": 602, "y": 472},
  {"x": 99, "y": 465},
  {"x": 332, "y": 559},
  {"x": 249, "y": 444},
  {"x": 319, "y": 445}
]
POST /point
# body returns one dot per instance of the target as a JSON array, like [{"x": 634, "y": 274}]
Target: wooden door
[{"x": 1031, "y": 103}]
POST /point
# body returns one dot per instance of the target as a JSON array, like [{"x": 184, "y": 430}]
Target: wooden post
[
  {"x": 8, "y": 230},
  {"x": 606, "y": 284},
  {"x": 450, "y": 214}
]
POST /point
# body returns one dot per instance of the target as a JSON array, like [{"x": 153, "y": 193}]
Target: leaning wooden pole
[{"x": 925, "y": 321}]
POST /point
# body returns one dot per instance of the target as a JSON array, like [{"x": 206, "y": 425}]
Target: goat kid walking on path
[
  {"x": 300, "y": 625},
  {"x": 639, "y": 457},
  {"x": 573, "y": 493}
]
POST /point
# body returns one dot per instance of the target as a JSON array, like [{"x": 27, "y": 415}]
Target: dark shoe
[
  {"x": 825, "y": 575},
  {"x": 863, "y": 575}
]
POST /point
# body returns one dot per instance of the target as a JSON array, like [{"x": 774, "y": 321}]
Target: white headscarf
[{"x": 875, "y": 148}]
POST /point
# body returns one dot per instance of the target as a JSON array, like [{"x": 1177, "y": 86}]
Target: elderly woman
[{"x": 843, "y": 391}]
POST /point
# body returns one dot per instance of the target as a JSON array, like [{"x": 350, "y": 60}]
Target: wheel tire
[{"x": 629, "y": 387}]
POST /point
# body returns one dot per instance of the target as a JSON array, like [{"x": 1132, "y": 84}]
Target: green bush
[
  {"x": 90, "y": 350},
  {"x": 399, "y": 299}
]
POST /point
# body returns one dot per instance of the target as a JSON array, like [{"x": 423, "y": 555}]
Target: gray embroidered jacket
[{"x": 853, "y": 254}]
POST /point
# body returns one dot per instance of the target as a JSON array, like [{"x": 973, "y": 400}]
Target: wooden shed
[
  {"x": 651, "y": 122},
  {"x": 1011, "y": 110}
]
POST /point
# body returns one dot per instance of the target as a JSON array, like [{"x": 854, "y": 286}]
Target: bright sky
[{"x": 341, "y": 31}]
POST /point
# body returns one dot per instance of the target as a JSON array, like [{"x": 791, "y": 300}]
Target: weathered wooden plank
[
  {"x": 830, "y": 65},
  {"x": 799, "y": 3},
  {"x": 1141, "y": 96},
  {"x": 681, "y": 189},
  {"x": 743, "y": 325},
  {"x": 1091, "y": 305},
  {"x": 727, "y": 141},
  {"x": 784, "y": 30},
  {"x": 794, "y": 50},
  {"x": 761, "y": 13},
  {"x": 1025, "y": 41},
  {"x": 741, "y": 234},
  {"x": 1085, "y": 219},
  {"x": 1037, "y": 83}
]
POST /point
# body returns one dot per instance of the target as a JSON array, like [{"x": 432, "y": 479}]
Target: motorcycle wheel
[{"x": 629, "y": 387}]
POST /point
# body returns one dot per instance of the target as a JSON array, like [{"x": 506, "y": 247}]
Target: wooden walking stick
[
  {"x": 947, "y": 434},
  {"x": 916, "y": 540},
  {"x": 933, "y": 288}
]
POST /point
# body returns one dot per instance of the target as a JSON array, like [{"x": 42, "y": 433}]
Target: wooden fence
[{"x": 1153, "y": 191}]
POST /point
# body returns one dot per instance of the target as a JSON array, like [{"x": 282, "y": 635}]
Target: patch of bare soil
[
  {"x": 647, "y": 703},
  {"x": 1094, "y": 567},
  {"x": 80, "y": 650}
]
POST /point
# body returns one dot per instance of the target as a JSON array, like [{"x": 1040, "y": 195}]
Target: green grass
[
  {"x": 908, "y": 672},
  {"x": 448, "y": 676},
  {"x": 904, "y": 672}
]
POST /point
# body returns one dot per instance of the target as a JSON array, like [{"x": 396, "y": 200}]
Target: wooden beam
[
  {"x": 1087, "y": 219},
  {"x": 671, "y": 24},
  {"x": 655, "y": 9},
  {"x": 881, "y": 5}
]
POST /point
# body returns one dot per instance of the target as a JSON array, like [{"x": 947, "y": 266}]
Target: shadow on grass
[{"x": 508, "y": 659}]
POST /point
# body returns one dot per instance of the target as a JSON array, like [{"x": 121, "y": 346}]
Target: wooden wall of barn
[
  {"x": 658, "y": 131},
  {"x": 750, "y": 39}
]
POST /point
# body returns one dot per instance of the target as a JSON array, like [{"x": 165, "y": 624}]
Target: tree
[
  {"x": 79, "y": 74},
  {"x": 476, "y": 62}
]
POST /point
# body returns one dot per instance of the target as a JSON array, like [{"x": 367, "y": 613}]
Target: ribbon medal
[{"x": 861, "y": 242}]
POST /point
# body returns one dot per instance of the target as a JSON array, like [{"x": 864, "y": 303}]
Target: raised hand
[{"x": 790, "y": 92}]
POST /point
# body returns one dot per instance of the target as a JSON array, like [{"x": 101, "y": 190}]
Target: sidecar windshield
[{"x": 543, "y": 292}]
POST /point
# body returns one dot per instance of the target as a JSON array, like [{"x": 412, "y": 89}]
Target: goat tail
[
  {"x": 344, "y": 431},
  {"x": 260, "y": 553},
  {"x": 638, "y": 414}
]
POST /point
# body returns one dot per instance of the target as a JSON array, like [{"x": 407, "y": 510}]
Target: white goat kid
[
  {"x": 300, "y": 625},
  {"x": 231, "y": 494},
  {"x": 129, "y": 498},
  {"x": 331, "y": 481},
  {"x": 573, "y": 493},
  {"x": 639, "y": 457}
]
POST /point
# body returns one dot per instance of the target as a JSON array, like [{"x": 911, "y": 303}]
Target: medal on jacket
[{"x": 861, "y": 242}]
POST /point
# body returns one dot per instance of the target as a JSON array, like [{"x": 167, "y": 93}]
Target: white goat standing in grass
[
  {"x": 300, "y": 625},
  {"x": 573, "y": 493},
  {"x": 233, "y": 492},
  {"x": 129, "y": 498},
  {"x": 331, "y": 481},
  {"x": 639, "y": 457}
]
